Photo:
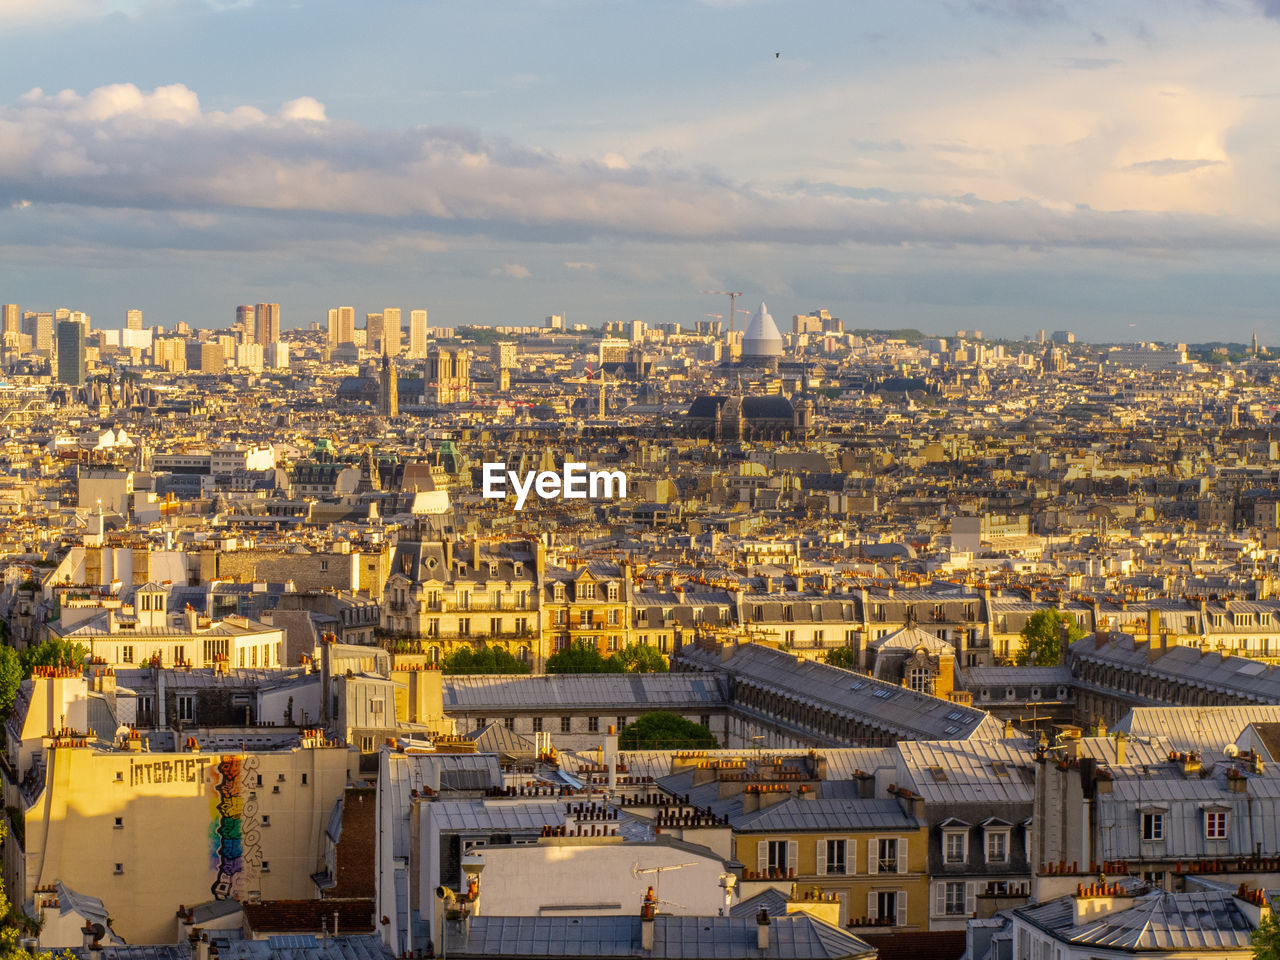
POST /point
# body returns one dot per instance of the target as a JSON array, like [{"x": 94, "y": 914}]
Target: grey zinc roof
[
  {"x": 1195, "y": 728},
  {"x": 1200, "y": 920},
  {"x": 797, "y": 815},
  {"x": 627, "y": 692},
  {"x": 1238, "y": 676},
  {"x": 897, "y": 710},
  {"x": 969, "y": 771},
  {"x": 470, "y": 815},
  {"x": 794, "y": 937}
]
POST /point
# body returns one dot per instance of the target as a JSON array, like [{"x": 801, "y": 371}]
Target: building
[
  {"x": 373, "y": 332},
  {"x": 213, "y": 358},
  {"x": 266, "y": 326},
  {"x": 388, "y": 389},
  {"x": 587, "y": 605},
  {"x": 88, "y": 808},
  {"x": 342, "y": 325},
  {"x": 10, "y": 319},
  {"x": 133, "y": 319},
  {"x": 761, "y": 342},
  {"x": 391, "y": 331},
  {"x": 246, "y": 324},
  {"x": 71, "y": 352},
  {"x": 417, "y": 334},
  {"x": 448, "y": 376}
]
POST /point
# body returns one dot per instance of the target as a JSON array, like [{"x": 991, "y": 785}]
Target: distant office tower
[
  {"x": 373, "y": 332},
  {"x": 554, "y": 322},
  {"x": 41, "y": 331},
  {"x": 502, "y": 354},
  {"x": 249, "y": 357},
  {"x": 12, "y": 319},
  {"x": 71, "y": 352},
  {"x": 246, "y": 326},
  {"x": 169, "y": 353},
  {"x": 391, "y": 331},
  {"x": 133, "y": 319},
  {"x": 417, "y": 334},
  {"x": 342, "y": 325},
  {"x": 213, "y": 358},
  {"x": 267, "y": 323},
  {"x": 388, "y": 389},
  {"x": 448, "y": 376},
  {"x": 276, "y": 356}
]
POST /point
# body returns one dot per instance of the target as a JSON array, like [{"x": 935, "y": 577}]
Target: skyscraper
[
  {"x": 267, "y": 327},
  {"x": 417, "y": 334},
  {"x": 391, "y": 331},
  {"x": 39, "y": 327},
  {"x": 373, "y": 332},
  {"x": 342, "y": 325},
  {"x": 71, "y": 352},
  {"x": 245, "y": 324},
  {"x": 12, "y": 319},
  {"x": 133, "y": 319}
]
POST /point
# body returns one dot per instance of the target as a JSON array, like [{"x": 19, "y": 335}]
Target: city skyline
[{"x": 1000, "y": 165}]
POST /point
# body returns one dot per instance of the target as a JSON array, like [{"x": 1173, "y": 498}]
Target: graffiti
[
  {"x": 168, "y": 771},
  {"x": 234, "y": 837}
]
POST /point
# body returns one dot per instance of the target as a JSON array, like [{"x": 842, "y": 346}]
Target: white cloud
[
  {"x": 121, "y": 147},
  {"x": 580, "y": 265},
  {"x": 512, "y": 270}
]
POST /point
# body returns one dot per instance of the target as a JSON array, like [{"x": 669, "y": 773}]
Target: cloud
[
  {"x": 1088, "y": 63},
  {"x": 1028, "y": 11},
  {"x": 119, "y": 148},
  {"x": 579, "y": 265},
  {"x": 1269, "y": 8},
  {"x": 512, "y": 270},
  {"x": 1171, "y": 165}
]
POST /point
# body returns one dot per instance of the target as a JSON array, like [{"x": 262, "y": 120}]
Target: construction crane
[{"x": 733, "y": 297}]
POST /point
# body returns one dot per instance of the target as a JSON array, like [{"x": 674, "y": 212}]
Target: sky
[{"x": 1105, "y": 166}]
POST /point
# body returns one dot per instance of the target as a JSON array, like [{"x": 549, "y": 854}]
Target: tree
[
  {"x": 484, "y": 660},
  {"x": 1266, "y": 940},
  {"x": 53, "y": 653},
  {"x": 661, "y": 730},
  {"x": 846, "y": 657},
  {"x": 1041, "y": 638},
  {"x": 11, "y": 675},
  {"x": 641, "y": 658},
  {"x": 582, "y": 657}
]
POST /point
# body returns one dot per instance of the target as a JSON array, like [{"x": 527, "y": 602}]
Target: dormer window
[
  {"x": 612, "y": 590},
  {"x": 586, "y": 591},
  {"x": 558, "y": 591}
]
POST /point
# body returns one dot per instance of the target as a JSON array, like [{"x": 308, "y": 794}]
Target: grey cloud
[
  {"x": 1028, "y": 11},
  {"x": 1170, "y": 166},
  {"x": 1088, "y": 63},
  {"x": 159, "y": 154}
]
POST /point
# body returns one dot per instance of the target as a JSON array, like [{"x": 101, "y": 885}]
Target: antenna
[{"x": 637, "y": 871}]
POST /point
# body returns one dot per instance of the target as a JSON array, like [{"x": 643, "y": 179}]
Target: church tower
[{"x": 388, "y": 389}]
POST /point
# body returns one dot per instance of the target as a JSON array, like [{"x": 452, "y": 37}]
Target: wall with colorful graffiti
[{"x": 234, "y": 838}]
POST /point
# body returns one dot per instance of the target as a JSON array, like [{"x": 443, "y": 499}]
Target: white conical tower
[{"x": 761, "y": 340}]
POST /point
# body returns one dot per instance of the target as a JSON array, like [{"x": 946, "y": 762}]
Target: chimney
[
  {"x": 1120, "y": 740},
  {"x": 646, "y": 922},
  {"x": 611, "y": 756},
  {"x": 95, "y": 950},
  {"x": 762, "y": 929},
  {"x": 86, "y": 935}
]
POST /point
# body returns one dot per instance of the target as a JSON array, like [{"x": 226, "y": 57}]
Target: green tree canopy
[
  {"x": 582, "y": 657},
  {"x": 53, "y": 653},
  {"x": 1266, "y": 940},
  {"x": 483, "y": 660},
  {"x": 661, "y": 730},
  {"x": 10, "y": 679},
  {"x": 641, "y": 658},
  {"x": 1041, "y": 643},
  {"x": 846, "y": 657}
]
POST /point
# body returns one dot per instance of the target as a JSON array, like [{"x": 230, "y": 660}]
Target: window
[
  {"x": 593, "y": 724},
  {"x": 886, "y": 906},
  {"x": 266, "y": 866},
  {"x": 126, "y": 654},
  {"x": 509, "y": 722},
  {"x": 887, "y": 855},
  {"x": 119, "y": 823},
  {"x": 835, "y": 861},
  {"x": 920, "y": 680},
  {"x": 375, "y": 707},
  {"x": 537, "y": 724},
  {"x": 495, "y": 626},
  {"x": 778, "y": 856},
  {"x": 304, "y": 779},
  {"x": 705, "y": 720},
  {"x": 1215, "y": 825},
  {"x": 586, "y": 591},
  {"x": 997, "y": 846},
  {"x": 622, "y": 722},
  {"x": 366, "y": 744},
  {"x": 266, "y": 820},
  {"x": 119, "y": 776},
  {"x": 954, "y": 899},
  {"x": 954, "y": 843},
  {"x": 464, "y": 626},
  {"x": 1153, "y": 826},
  {"x": 186, "y": 707},
  {"x": 612, "y": 592},
  {"x": 615, "y": 617},
  {"x": 565, "y": 726},
  {"x": 119, "y": 868},
  {"x": 481, "y": 723}
]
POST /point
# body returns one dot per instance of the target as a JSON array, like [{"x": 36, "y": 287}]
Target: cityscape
[{"x": 817, "y": 496}]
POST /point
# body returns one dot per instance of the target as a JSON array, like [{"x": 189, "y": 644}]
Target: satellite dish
[
  {"x": 98, "y": 931},
  {"x": 1231, "y": 750}
]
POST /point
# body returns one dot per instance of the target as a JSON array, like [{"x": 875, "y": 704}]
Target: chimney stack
[
  {"x": 762, "y": 929},
  {"x": 647, "y": 921}
]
